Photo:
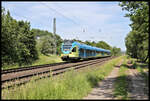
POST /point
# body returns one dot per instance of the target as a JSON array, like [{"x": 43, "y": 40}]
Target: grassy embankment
[
  {"x": 121, "y": 83},
  {"x": 71, "y": 85},
  {"x": 42, "y": 60}
]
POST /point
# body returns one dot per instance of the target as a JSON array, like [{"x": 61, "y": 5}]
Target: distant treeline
[{"x": 137, "y": 39}]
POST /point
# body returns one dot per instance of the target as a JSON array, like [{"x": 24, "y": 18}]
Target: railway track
[
  {"x": 30, "y": 67},
  {"x": 12, "y": 77},
  {"x": 37, "y": 66}
]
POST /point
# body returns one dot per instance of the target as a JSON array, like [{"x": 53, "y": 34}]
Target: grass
[
  {"x": 143, "y": 74},
  {"x": 70, "y": 85},
  {"x": 47, "y": 59},
  {"x": 121, "y": 84},
  {"x": 42, "y": 60},
  {"x": 140, "y": 67}
]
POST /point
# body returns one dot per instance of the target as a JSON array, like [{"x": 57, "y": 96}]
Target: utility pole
[{"x": 54, "y": 32}]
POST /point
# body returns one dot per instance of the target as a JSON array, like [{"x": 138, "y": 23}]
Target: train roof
[{"x": 84, "y": 46}]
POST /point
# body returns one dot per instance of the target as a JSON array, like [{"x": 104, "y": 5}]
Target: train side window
[{"x": 74, "y": 49}]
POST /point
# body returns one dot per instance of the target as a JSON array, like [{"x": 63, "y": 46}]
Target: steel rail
[
  {"x": 40, "y": 66},
  {"x": 55, "y": 71}
]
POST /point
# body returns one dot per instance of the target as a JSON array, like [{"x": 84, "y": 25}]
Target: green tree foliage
[
  {"x": 115, "y": 51},
  {"x": 46, "y": 43},
  {"x": 88, "y": 43},
  {"x": 78, "y": 40},
  {"x": 58, "y": 42},
  {"x": 40, "y": 33},
  {"x": 47, "y": 46},
  {"x": 18, "y": 42},
  {"x": 27, "y": 42},
  {"x": 104, "y": 45},
  {"x": 137, "y": 39},
  {"x": 8, "y": 38}
]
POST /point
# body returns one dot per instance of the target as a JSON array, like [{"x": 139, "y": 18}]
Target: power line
[
  {"x": 64, "y": 10},
  {"x": 53, "y": 10},
  {"x": 59, "y": 13}
]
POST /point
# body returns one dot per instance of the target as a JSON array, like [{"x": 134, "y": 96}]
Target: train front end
[{"x": 69, "y": 51}]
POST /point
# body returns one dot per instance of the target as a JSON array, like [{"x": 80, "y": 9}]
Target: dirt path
[
  {"x": 105, "y": 87},
  {"x": 137, "y": 87}
]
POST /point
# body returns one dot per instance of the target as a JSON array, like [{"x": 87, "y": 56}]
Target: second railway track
[{"x": 23, "y": 76}]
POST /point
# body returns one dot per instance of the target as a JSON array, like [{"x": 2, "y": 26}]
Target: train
[{"x": 73, "y": 50}]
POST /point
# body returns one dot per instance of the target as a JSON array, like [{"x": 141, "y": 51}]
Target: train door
[{"x": 75, "y": 52}]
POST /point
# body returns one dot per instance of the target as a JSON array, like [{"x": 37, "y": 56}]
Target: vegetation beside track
[
  {"x": 142, "y": 68},
  {"x": 70, "y": 85},
  {"x": 121, "y": 83},
  {"x": 43, "y": 59},
  {"x": 144, "y": 75}
]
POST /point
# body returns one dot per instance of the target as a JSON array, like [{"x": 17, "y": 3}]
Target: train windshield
[{"x": 67, "y": 45}]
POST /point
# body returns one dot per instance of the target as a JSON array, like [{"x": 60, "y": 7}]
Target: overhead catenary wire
[
  {"x": 59, "y": 13},
  {"x": 54, "y": 11}
]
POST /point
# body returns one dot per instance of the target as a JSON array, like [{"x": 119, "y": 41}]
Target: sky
[{"x": 92, "y": 21}]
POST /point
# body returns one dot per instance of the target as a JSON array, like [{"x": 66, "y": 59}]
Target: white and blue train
[{"x": 72, "y": 50}]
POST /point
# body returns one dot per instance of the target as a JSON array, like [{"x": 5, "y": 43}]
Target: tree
[
  {"x": 18, "y": 42},
  {"x": 27, "y": 45},
  {"x": 137, "y": 40},
  {"x": 104, "y": 45},
  {"x": 46, "y": 43},
  {"x": 47, "y": 46},
  {"x": 8, "y": 38},
  {"x": 89, "y": 43},
  {"x": 115, "y": 51},
  {"x": 59, "y": 43}
]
